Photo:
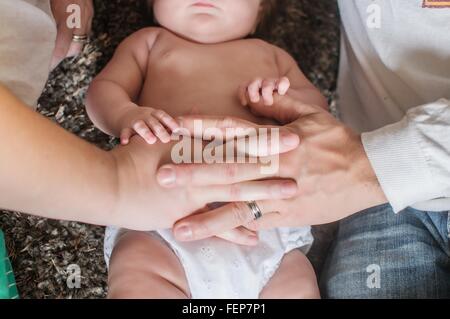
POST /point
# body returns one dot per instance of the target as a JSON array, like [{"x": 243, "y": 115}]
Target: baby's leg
[
  {"x": 294, "y": 279},
  {"x": 142, "y": 266}
]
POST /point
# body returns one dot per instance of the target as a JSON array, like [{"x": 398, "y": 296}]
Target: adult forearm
[{"x": 46, "y": 171}]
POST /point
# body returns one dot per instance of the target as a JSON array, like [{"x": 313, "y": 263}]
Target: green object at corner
[{"x": 8, "y": 288}]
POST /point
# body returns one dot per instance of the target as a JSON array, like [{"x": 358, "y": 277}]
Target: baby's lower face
[{"x": 210, "y": 22}]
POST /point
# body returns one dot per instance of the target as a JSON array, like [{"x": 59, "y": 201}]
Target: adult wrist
[
  {"x": 369, "y": 189},
  {"x": 104, "y": 188},
  {"x": 119, "y": 168}
]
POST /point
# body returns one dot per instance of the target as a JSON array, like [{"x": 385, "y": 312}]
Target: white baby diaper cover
[{"x": 217, "y": 269}]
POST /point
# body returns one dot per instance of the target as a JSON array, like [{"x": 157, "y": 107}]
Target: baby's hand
[
  {"x": 262, "y": 90},
  {"x": 149, "y": 123}
]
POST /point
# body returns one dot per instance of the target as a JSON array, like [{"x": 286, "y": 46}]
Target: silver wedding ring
[
  {"x": 254, "y": 208},
  {"x": 80, "y": 38}
]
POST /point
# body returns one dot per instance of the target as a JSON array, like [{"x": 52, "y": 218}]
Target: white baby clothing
[{"x": 218, "y": 269}]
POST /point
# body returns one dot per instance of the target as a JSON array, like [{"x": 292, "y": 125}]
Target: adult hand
[
  {"x": 65, "y": 46},
  {"x": 142, "y": 204},
  {"x": 48, "y": 172},
  {"x": 333, "y": 173}
]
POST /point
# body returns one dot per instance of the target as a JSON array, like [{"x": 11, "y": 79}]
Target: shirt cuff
[{"x": 398, "y": 159}]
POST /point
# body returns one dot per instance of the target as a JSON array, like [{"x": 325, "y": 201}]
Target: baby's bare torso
[{"x": 190, "y": 78}]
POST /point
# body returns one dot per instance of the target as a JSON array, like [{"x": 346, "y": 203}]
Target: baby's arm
[
  {"x": 259, "y": 93},
  {"x": 112, "y": 97}
]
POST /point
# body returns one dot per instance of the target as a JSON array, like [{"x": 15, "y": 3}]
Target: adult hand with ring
[
  {"x": 74, "y": 23},
  {"x": 334, "y": 177},
  {"x": 256, "y": 211}
]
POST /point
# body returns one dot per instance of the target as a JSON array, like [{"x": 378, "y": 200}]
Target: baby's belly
[{"x": 213, "y": 97}]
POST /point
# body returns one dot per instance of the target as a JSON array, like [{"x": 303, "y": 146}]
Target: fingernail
[
  {"x": 166, "y": 176},
  {"x": 290, "y": 139},
  {"x": 184, "y": 233},
  {"x": 289, "y": 189}
]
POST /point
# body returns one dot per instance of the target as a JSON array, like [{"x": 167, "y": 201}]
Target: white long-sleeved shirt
[
  {"x": 394, "y": 86},
  {"x": 27, "y": 39}
]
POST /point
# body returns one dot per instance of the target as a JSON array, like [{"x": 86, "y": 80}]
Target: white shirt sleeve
[
  {"x": 27, "y": 39},
  {"x": 411, "y": 158}
]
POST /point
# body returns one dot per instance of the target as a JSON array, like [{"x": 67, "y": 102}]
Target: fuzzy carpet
[{"x": 40, "y": 249}]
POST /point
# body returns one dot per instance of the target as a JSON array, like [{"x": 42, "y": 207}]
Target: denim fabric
[{"x": 378, "y": 254}]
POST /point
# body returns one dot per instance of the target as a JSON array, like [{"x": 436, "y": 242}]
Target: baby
[{"x": 200, "y": 57}]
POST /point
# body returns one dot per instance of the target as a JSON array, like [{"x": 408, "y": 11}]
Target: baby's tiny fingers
[
  {"x": 166, "y": 119},
  {"x": 268, "y": 88},
  {"x": 283, "y": 85},
  {"x": 158, "y": 129},
  {"x": 125, "y": 136},
  {"x": 253, "y": 90},
  {"x": 142, "y": 129}
]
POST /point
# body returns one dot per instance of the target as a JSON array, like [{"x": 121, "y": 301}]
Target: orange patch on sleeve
[{"x": 436, "y": 3}]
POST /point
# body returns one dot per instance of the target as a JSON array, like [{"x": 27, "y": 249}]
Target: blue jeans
[{"x": 378, "y": 254}]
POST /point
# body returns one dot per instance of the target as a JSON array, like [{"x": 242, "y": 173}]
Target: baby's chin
[
  {"x": 210, "y": 37},
  {"x": 206, "y": 29}
]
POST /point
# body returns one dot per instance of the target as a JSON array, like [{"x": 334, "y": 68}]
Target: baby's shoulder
[
  {"x": 280, "y": 54},
  {"x": 146, "y": 36},
  {"x": 260, "y": 43},
  {"x": 282, "y": 57},
  {"x": 268, "y": 47}
]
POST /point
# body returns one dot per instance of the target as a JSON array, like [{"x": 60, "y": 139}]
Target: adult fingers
[
  {"x": 287, "y": 109},
  {"x": 245, "y": 191},
  {"x": 83, "y": 29},
  {"x": 91, "y": 13},
  {"x": 220, "y": 220},
  {"x": 229, "y": 129},
  {"x": 209, "y": 174},
  {"x": 62, "y": 45},
  {"x": 288, "y": 104},
  {"x": 65, "y": 46},
  {"x": 196, "y": 126},
  {"x": 267, "y": 221},
  {"x": 240, "y": 236}
]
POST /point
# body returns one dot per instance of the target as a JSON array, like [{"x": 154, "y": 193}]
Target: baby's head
[{"x": 212, "y": 21}]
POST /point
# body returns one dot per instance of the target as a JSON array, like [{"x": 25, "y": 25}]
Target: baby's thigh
[
  {"x": 142, "y": 266},
  {"x": 294, "y": 279}
]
